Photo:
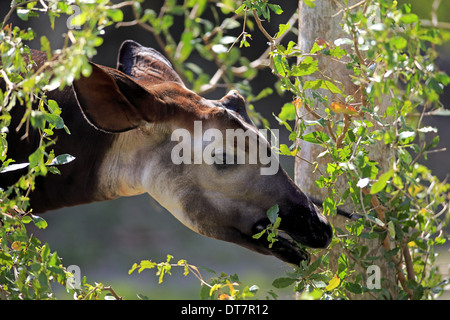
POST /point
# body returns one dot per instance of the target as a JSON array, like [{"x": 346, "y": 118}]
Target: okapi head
[{"x": 168, "y": 141}]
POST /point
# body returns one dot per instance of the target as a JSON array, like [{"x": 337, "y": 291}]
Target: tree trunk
[{"x": 323, "y": 21}]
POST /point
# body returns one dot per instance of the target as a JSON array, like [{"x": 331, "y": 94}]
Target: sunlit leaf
[
  {"x": 62, "y": 159},
  {"x": 333, "y": 284},
  {"x": 338, "y": 107},
  {"x": 381, "y": 182},
  {"x": 288, "y": 112}
]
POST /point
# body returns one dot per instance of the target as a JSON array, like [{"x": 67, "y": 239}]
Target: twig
[
  {"x": 317, "y": 116},
  {"x": 243, "y": 33},
  {"x": 13, "y": 8},
  {"x": 261, "y": 28},
  {"x": 340, "y": 139},
  {"x": 408, "y": 263},
  {"x": 349, "y": 8},
  {"x": 261, "y": 62},
  {"x": 381, "y": 213},
  {"x": 439, "y": 24},
  {"x": 122, "y": 4},
  {"x": 213, "y": 83},
  {"x": 316, "y": 166},
  {"x": 265, "y": 33},
  {"x": 111, "y": 290}
]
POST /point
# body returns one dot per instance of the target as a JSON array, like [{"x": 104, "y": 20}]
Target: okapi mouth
[
  {"x": 294, "y": 236},
  {"x": 289, "y": 250},
  {"x": 285, "y": 247}
]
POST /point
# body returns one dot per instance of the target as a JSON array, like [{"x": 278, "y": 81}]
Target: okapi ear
[
  {"x": 111, "y": 101},
  {"x": 138, "y": 61},
  {"x": 235, "y": 102},
  {"x": 103, "y": 102}
]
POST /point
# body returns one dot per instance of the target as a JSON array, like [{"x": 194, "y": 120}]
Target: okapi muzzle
[{"x": 137, "y": 129}]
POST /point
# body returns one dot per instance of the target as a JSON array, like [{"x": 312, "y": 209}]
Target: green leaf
[
  {"x": 391, "y": 228},
  {"x": 239, "y": 10},
  {"x": 115, "y": 14},
  {"x": 36, "y": 157},
  {"x": 79, "y": 19},
  {"x": 288, "y": 112},
  {"x": 409, "y": 18},
  {"x": 5, "y": 259},
  {"x": 13, "y": 167},
  {"x": 187, "y": 41},
  {"x": 353, "y": 287},
  {"x": 399, "y": 42},
  {"x": 306, "y": 67},
  {"x": 259, "y": 234},
  {"x": 284, "y": 150},
  {"x": 134, "y": 267},
  {"x": 288, "y": 127},
  {"x": 382, "y": 181},
  {"x": 313, "y": 266},
  {"x": 331, "y": 86},
  {"x": 275, "y": 8},
  {"x": 146, "y": 264},
  {"x": 62, "y": 159},
  {"x": 39, "y": 222},
  {"x": 272, "y": 213},
  {"x": 283, "y": 282},
  {"x": 317, "y": 137},
  {"x": 310, "y": 3},
  {"x": 280, "y": 65},
  {"x": 282, "y": 28},
  {"x": 23, "y": 13},
  {"x": 312, "y": 84},
  {"x": 55, "y": 120}
]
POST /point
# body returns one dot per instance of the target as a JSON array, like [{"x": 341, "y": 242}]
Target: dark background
[{"x": 105, "y": 239}]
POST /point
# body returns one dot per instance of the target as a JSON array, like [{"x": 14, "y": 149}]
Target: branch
[
  {"x": 340, "y": 139},
  {"x": 114, "y": 294},
  {"x": 266, "y": 34},
  {"x": 330, "y": 130},
  {"x": 122, "y": 4},
  {"x": 408, "y": 263},
  {"x": 261, "y": 62},
  {"x": 381, "y": 213},
  {"x": 260, "y": 26},
  {"x": 13, "y": 8}
]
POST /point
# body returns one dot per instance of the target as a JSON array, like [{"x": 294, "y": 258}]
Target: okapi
[{"x": 121, "y": 122}]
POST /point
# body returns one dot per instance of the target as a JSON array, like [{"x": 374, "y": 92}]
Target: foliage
[
  {"x": 221, "y": 287},
  {"x": 394, "y": 58},
  {"x": 27, "y": 266}
]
